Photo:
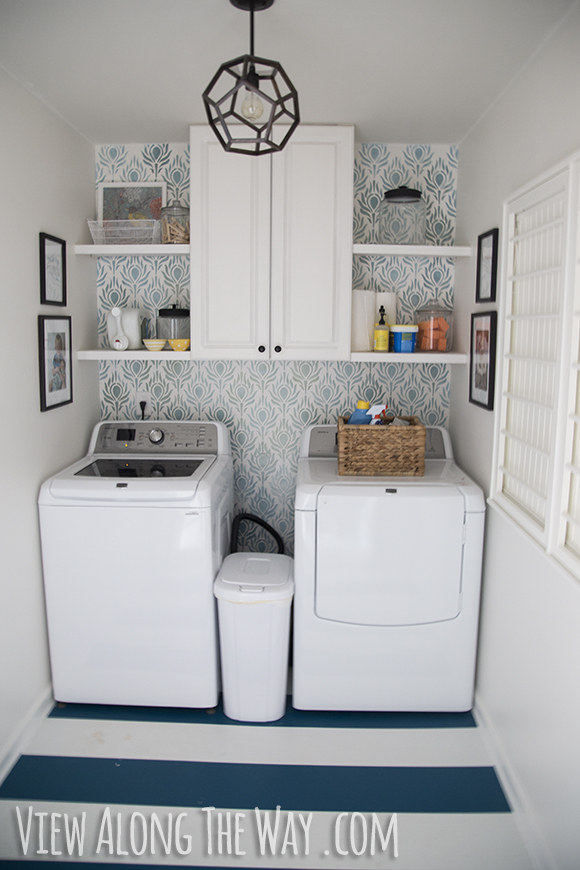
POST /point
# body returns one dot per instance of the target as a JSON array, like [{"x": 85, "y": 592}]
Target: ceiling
[{"x": 124, "y": 71}]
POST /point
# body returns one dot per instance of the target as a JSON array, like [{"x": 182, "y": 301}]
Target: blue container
[
  {"x": 361, "y": 415},
  {"x": 359, "y": 418},
  {"x": 404, "y": 338}
]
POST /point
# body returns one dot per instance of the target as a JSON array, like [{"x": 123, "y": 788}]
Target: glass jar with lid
[
  {"x": 435, "y": 328},
  {"x": 175, "y": 224},
  {"x": 173, "y": 322},
  {"x": 402, "y": 217}
]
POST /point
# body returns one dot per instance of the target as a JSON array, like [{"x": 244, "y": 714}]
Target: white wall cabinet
[{"x": 271, "y": 248}]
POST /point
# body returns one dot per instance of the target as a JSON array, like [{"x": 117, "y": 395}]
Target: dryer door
[{"x": 389, "y": 555}]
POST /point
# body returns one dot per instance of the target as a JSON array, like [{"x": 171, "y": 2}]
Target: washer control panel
[{"x": 167, "y": 436}]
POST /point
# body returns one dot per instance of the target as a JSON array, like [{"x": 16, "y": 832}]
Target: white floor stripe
[
  {"x": 97, "y": 738},
  {"x": 425, "y": 841}
]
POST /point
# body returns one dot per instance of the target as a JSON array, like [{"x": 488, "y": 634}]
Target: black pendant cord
[{"x": 252, "y": 28}]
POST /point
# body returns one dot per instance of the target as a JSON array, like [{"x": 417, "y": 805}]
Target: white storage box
[{"x": 254, "y": 593}]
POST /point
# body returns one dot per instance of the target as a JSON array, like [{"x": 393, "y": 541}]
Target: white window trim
[{"x": 552, "y": 537}]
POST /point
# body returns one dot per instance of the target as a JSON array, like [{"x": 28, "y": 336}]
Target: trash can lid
[{"x": 255, "y": 577}]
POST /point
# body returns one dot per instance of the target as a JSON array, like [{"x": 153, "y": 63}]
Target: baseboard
[
  {"x": 523, "y": 813},
  {"x": 31, "y": 721}
]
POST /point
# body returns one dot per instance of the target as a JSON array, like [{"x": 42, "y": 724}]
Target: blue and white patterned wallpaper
[
  {"x": 169, "y": 163},
  {"x": 432, "y": 169},
  {"x": 266, "y": 405}
]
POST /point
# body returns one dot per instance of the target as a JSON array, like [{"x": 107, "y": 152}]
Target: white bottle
[{"x": 124, "y": 328}]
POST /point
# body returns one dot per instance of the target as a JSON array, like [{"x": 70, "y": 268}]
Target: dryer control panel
[{"x": 165, "y": 436}]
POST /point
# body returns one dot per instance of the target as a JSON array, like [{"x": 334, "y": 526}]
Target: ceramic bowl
[
  {"x": 179, "y": 343},
  {"x": 154, "y": 343}
]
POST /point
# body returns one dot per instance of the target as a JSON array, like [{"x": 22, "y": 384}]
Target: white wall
[
  {"x": 528, "y": 677},
  {"x": 47, "y": 173}
]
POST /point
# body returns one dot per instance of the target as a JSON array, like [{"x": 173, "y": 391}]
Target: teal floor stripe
[
  {"x": 292, "y": 719},
  {"x": 245, "y": 786}
]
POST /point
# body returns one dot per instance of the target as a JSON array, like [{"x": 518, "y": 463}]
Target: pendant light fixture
[{"x": 251, "y": 104}]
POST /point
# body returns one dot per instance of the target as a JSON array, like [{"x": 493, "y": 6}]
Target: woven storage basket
[{"x": 382, "y": 450}]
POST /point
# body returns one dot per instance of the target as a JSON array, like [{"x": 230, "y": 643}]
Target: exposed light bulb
[{"x": 252, "y": 106}]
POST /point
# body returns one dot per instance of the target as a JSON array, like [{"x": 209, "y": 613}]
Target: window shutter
[
  {"x": 569, "y": 526},
  {"x": 531, "y": 353}
]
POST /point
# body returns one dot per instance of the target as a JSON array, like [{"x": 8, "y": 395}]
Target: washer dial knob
[{"x": 156, "y": 436}]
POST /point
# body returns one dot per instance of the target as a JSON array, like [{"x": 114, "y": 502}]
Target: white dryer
[
  {"x": 133, "y": 536},
  {"x": 387, "y": 582}
]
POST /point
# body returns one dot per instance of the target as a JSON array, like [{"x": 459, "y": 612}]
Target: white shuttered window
[
  {"x": 568, "y": 543},
  {"x": 537, "y": 449}
]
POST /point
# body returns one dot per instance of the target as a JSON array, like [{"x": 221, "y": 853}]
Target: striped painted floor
[{"x": 192, "y": 788}]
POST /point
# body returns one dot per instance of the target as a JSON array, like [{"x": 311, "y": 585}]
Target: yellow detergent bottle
[{"x": 381, "y": 333}]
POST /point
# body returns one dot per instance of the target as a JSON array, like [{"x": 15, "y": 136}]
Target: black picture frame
[
  {"x": 482, "y": 359},
  {"x": 52, "y": 270},
  {"x": 55, "y": 361},
  {"x": 486, "y": 279}
]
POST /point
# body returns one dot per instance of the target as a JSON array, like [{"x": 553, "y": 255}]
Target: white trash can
[{"x": 254, "y": 592}]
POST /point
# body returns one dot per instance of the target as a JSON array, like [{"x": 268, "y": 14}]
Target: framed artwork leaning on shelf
[
  {"x": 130, "y": 200},
  {"x": 55, "y": 361}
]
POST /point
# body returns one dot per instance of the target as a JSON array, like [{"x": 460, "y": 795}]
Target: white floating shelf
[
  {"x": 413, "y": 250},
  {"x": 131, "y": 250},
  {"x": 398, "y": 358},
  {"x": 411, "y": 358},
  {"x": 121, "y": 355}
]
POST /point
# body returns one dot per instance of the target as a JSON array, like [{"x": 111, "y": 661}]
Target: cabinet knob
[
  {"x": 261, "y": 348},
  {"x": 277, "y": 348}
]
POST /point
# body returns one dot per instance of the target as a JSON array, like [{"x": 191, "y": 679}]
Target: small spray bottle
[{"x": 381, "y": 333}]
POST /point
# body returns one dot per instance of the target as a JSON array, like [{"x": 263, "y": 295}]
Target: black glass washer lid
[{"x": 140, "y": 468}]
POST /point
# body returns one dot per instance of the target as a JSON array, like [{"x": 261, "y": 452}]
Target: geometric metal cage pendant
[
  {"x": 258, "y": 95},
  {"x": 251, "y": 104}
]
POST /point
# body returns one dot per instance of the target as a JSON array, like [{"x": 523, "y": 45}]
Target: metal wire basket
[{"x": 136, "y": 232}]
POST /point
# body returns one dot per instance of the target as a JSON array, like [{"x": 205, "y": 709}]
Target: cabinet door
[
  {"x": 230, "y": 250},
  {"x": 312, "y": 201}
]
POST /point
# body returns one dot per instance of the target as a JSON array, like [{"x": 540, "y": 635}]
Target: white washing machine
[
  {"x": 387, "y": 580},
  {"x": 133, "y": 536}
]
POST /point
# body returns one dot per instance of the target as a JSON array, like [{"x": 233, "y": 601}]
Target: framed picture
[
  {"x": 482, "y": 359},
  {"x": 52, "y": 270},
  {"x": 55, "y": 361},
  {"x": 486, "y": 280},
  {"x": 128, "y": 200}
]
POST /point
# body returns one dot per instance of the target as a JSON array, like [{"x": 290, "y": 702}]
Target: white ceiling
[{"x": 124, "y": 71}]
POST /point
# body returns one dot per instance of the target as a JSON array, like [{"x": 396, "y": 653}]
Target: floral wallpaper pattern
[{"x": 266, "y": 405}]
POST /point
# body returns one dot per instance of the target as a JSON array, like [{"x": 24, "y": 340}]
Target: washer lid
[
  {"x": 255, "y": 577},
  {"x": 131, "y": 467},
  {"x": 128, "y": 483}
]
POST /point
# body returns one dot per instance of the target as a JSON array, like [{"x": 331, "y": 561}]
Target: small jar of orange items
[{"x": 435, "y": 328}]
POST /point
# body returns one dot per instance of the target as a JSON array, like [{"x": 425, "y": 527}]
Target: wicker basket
[{"x": 397, "y": 451}]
